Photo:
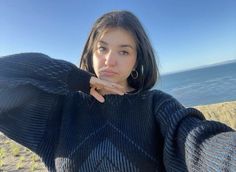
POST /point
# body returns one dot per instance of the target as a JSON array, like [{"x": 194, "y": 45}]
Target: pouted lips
[{"x": 107, "y": 72}]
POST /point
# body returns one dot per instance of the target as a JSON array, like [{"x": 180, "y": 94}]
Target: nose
[{"x": 110, "y": 59}]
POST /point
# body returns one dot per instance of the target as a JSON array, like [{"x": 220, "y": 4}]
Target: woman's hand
[{"x": 98, "y": 85}]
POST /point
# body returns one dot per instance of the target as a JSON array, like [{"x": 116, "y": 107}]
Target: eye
[
  {"x": 125, "y": 53},
  {"x": 101, "y": 49}
]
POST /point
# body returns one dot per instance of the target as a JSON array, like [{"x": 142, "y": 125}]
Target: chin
[{"x": 107, "y": 78}]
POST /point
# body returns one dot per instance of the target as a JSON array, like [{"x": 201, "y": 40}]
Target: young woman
[{"x": 104, "y": 117}]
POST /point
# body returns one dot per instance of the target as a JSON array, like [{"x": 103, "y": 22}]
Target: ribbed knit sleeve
[
  {"x": 193, "y": 143},
  {"x": 32, "y": 91},
  {"x": 48, "y": 74}
]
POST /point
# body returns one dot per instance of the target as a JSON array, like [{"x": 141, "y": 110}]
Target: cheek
[
  {"x": 128, "y": 66},
  {"x": 96, "y": 63},
  {"x": 131, "y": 64}
]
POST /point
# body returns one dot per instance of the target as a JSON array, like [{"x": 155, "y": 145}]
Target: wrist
[{"x": 79, "y": 80}]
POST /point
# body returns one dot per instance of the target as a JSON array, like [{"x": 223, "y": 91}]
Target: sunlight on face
[{"x": 115, "y": 56}]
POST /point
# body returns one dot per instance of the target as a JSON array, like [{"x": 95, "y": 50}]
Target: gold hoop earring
[{"x": 134, "y": 74}]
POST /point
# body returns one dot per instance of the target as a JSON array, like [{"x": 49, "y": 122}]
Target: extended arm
[
  {"x": 32, "y": 91},
  {"x": 193, "y": 143}
]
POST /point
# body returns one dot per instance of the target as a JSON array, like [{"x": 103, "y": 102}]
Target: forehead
[{"x": 116, "y": 36}]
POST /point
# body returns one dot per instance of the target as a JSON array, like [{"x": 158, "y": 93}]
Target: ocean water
[{"x": 202, "y": 86}]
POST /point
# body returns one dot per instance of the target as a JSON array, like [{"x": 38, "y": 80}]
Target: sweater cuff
[{"x": 78, "y": 80}]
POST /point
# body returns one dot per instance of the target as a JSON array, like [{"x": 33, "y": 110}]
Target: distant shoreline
[{"x": 200, "y": 67}]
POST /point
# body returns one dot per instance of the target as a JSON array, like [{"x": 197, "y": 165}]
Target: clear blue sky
[{"x": 184, "y": 33}]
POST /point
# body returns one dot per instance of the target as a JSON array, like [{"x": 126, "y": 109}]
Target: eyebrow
[{"x": 123, "y": 45}]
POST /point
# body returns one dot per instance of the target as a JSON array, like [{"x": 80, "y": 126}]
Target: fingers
[
  {"x": 96, "y": 95},
  {"x": 106, "y": 85},
  {"x": 99, "y": 87},
  {"x": 114, "y": 89},
  {"x": 114, "y": 85}
]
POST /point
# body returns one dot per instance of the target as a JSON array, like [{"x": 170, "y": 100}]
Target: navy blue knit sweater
[{"x": 45, "y": 106}]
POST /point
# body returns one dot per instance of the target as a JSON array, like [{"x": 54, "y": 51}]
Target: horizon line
[{"x": 200, "y": 67}]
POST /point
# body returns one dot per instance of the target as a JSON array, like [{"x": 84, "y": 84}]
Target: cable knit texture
[{"x": 45, "y": 106}]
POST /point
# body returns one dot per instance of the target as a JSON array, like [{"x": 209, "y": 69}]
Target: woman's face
[{"x": 114, "y": 56}]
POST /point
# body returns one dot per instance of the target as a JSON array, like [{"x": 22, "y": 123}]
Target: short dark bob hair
[{"x": 145, "y": 64}]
